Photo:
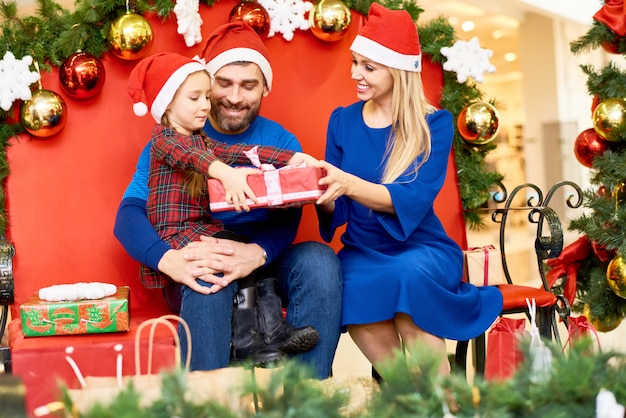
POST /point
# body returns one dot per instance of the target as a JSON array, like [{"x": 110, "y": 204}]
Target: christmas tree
[{"x": 596, "y": 260}]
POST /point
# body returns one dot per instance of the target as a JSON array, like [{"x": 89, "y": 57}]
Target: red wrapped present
[
  {"x": 287, "y": 186},
  {"x": 87, "y": 316}
]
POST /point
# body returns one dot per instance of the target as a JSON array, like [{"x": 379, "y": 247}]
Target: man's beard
[{"x": 229, "y": 123}]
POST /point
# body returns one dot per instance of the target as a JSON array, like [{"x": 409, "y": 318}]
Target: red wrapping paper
[{"x": 287, "y": 186}]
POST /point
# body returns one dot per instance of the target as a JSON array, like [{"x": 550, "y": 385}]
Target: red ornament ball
[
  {"x": 589, "y": 145},
  {"x": 611, "y": 47},
  {"x": 602, "y": 252},
  {"x": 252, "y": 13},
  {"x": 82, "y": 75}
]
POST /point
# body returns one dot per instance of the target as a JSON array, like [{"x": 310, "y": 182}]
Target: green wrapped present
[{"x": 87, "y": 316}]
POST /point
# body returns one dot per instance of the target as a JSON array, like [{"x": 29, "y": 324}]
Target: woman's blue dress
[{"x": 402, "y": 262}]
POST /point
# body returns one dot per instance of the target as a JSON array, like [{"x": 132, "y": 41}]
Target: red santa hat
[
  {"x": 154, "y": 81},
  {"x": 389, "y": 37},
  {"x": 234, "y": 42}
]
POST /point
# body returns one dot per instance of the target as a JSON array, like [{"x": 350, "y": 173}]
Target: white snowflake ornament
[
  {"x": 468, "y": 59},
  {"x": 16, "y": 79},
  {"x": 607, "y": 406},
  {"x": 189, "y": 21},
  {"x": 286, "y": 16}
]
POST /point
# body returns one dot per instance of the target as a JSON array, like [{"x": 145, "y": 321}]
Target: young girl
[
  {"x": 177, "y": 89},
  {"x": 386, "y": 158}
]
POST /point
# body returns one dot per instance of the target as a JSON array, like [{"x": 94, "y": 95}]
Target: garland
[
  {"x": 60, "y": 33},
  {"x": 576, "y": 384}
]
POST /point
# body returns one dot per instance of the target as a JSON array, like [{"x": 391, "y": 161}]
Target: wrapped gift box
[
  {"x": 283, "y": 187},
  {"x": 109, "y": 314},
  {"x": 483, "y": 266}
]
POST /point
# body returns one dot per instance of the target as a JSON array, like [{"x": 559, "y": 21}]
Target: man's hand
[{"x": 199, "y": 261}]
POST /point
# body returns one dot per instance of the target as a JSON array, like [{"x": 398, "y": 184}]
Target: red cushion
[{"x": 515, "y": 296}]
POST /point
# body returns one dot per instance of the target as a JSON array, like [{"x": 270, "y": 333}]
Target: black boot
[
  {"x": 246, "y": 343},
  {"x": 274, "y": 329}
]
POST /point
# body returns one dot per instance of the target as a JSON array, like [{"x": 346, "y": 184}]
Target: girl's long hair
[
  {"x": 194, "y": 181},
  {"x": 410, "y": 134}
]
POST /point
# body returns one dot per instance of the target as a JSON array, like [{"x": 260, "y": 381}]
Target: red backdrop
[{"x": 63, "y": 192}]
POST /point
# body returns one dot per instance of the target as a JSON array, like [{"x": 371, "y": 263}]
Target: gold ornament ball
[
  {"x": 130, "y": 37},
  {"x": 329, "y": 20},
  {"x": 478, "y": 123},
  {"x": 616, "y": 276},
  {"x": 606, "y": 325},
  {"x": 608, "y": 116},
  {"x": 44, "y": 114}
]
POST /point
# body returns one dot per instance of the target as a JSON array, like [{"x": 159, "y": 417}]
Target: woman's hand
[{"x": 338, "y": 183}]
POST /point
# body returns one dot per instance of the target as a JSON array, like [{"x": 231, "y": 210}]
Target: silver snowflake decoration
[
  {"x": 468, "y": 59},
  {"x": 286, "y": 16},
  {"x": 16, "y": 79}
]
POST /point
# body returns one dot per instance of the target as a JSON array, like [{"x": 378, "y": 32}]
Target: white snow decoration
[
  {"x": 607, "y": 406},
  {"x": 468, "y": 59},
  {"x": 16, "y": 79},
  {"x": 286, "y": 16},
  {"x": 77, "y": 291},
  {"x": 189, "y": 21}
]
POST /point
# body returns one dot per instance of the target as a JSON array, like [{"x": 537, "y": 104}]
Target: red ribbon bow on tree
[
  {"x": 567, "y": 264},
  {"x": 613, "y": 14}
]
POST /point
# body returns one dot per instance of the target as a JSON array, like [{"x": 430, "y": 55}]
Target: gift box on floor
[
  {"x": 108, "y": 314},
  {"x": 284, "y": 187},
  {"x": 483, "y": 266}
]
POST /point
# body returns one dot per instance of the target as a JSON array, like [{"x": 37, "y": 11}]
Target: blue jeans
[{"x": 311, "y": 281}]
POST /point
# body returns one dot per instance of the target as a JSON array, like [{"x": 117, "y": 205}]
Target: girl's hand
[
  {"x": 235, "y": 184},
  {"x": 300, "y": 157}
]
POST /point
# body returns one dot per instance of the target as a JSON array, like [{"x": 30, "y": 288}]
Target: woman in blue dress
[{"x": 386, "y": 160}]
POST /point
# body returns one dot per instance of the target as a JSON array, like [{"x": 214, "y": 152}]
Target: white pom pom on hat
[
  {"x": 389, "y": 37},
  {"x": 154, "y": 81},
  {"x": 140, "y": 109}
]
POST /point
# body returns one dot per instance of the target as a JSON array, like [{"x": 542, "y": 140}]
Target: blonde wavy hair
[{"x": 410, "y": 135}]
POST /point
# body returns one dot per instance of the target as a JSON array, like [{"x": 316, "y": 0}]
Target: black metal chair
[{"x": 548, "y": 244}]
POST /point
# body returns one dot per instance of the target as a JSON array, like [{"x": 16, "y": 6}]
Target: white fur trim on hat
[
  {"x": 173, "y": 83},
  {"x": 242, "y": 54},
  {"x": 386, "y": 56}
]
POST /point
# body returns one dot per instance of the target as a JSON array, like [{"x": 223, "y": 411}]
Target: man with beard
[{"x": 205, "y": 274}]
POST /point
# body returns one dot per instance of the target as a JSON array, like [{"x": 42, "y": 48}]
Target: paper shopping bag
[
  {"x": 579, "y": 327},
  {"x": 222, "y": 385},
  {"x": 503, "y": 353}
]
